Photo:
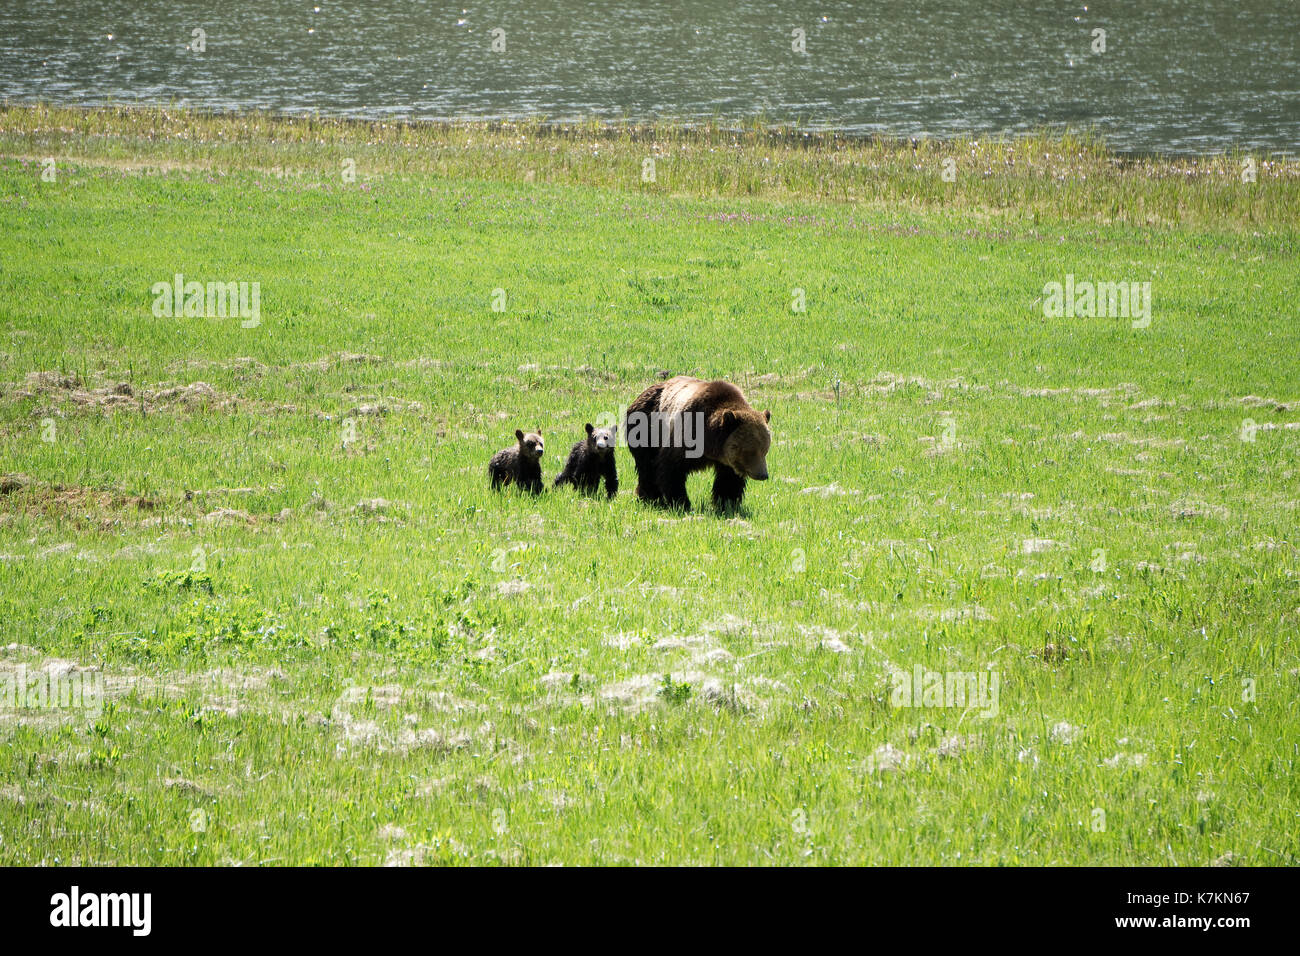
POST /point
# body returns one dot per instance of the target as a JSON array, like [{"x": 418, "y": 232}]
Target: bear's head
[
  {"x": 530, "y": 445},
  {"x": 747, "y": 444},
  {"x": 601, "y": 440}
]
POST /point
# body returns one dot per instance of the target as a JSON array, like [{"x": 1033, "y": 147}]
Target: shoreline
[
  {"x": 1066, "y": 175},
  {"x": 794, "y": 134}
]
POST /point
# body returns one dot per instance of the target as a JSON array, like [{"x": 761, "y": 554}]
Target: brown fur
[
  {"x": 735, "y": 441},
  {"x": 591, "y": 461},
  {"x": 520, "y": 465}
]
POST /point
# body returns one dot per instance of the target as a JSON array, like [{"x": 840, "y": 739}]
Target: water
[{"x": 1177, "y": 76}]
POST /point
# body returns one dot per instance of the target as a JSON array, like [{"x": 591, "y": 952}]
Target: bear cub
[
  {"x": 592, "y": 459},
  {"x": 521, "y": 465}
]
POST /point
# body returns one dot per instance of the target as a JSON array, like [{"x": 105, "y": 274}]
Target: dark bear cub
[
  {"x": 521, "y": 465},
  {"x": 685, "y": 425},
  {"x": 592, "y": 459}
]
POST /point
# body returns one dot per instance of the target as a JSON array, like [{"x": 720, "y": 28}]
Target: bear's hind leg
[
  {"x": 672, "y": 483},
  {"x": 647, "y": 481}
]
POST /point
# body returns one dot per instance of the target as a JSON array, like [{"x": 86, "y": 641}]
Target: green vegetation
[
  {"x": 1049, "y": 175},
  {"x": 324, "y": 640}
]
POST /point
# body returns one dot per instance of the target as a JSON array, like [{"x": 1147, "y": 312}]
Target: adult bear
[{"x": 684, "y": 425}]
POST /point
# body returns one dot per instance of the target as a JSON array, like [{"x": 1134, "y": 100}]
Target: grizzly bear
[
  {"x": 521, "y": 465},
  {"x": 590, "y": 460},
  {"x": 684, "y": 425}
]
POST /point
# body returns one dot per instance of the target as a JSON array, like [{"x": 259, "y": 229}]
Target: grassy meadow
[{"x": 323, "y": 640}]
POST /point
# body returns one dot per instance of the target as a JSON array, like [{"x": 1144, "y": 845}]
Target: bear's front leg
[
  {"x": 728, "y": 488},
  {"x": 530, "y": 478},
  {"x": 611, "y": 476}
]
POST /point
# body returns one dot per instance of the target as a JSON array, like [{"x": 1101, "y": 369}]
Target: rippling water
[{"x": 1176, "y": 76}]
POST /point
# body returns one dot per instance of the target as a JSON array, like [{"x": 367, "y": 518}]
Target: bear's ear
[
  {"x": 767, "y": 415},
  {"x": 589, "y": 428},
  {"x": 519, "y": 434},
  {"x": 539, "y": 431},
  {"x": 728, "y": 416}
]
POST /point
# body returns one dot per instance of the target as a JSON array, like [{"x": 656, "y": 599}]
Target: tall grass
[{"x": 1055, "y": 175}]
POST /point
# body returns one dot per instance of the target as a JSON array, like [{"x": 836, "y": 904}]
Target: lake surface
[{"x": 1176, "y": 76}]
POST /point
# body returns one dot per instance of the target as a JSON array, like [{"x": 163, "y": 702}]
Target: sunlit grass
[
  {"x": 331, "y": 643},
  {"x": 1051, "y": 174}
]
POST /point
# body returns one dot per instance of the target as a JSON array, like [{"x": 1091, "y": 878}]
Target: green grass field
[{"x": 323, "y": 640}]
